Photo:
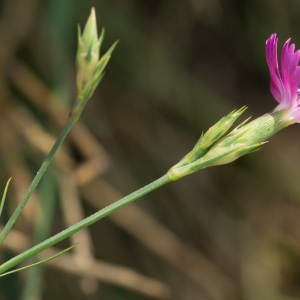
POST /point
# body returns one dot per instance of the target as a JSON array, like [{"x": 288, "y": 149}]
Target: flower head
[
  {"x": 285, "y": 80},
  {"x": 215, "y": 148}
]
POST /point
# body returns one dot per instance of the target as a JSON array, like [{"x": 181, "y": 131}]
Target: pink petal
[
  {"x": 290, "y": 71},
  {"x": 276, "y": 85}
]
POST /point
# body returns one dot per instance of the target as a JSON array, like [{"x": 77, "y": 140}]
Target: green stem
[
  {"x": 84, "y": 223},
  {"x": 35, "y": 181}
]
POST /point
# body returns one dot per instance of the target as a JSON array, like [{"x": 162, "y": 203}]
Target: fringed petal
[
  {"x": 276, "y": 85},
  {"x": 290, "y": 72}
]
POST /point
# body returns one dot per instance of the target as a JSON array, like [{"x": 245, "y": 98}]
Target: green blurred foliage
[{"x": 178, "y": 68}]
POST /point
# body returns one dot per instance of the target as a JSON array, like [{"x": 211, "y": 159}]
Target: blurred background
[{"x": 226, "y": 233}]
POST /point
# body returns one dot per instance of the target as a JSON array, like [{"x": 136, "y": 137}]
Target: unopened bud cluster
[
  {"x": 213, "y": 148},
  {"x": 90, "y": 66}
]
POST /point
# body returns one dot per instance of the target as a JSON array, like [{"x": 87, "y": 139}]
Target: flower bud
[
  {"x": 89, "y": 67},
  {"x": 244, "y": 139},
  {"x": 213, "y": 134}
]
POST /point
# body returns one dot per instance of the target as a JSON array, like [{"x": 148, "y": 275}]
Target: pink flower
[{"x": 285, "y": 81}]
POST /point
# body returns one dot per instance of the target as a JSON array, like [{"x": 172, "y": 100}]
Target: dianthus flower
[
  {"x": 284, "y": 80},
  {"x": 215, "y": 148}
]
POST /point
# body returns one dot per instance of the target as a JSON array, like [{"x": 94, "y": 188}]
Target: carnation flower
[{"x": 284, "y": 80}]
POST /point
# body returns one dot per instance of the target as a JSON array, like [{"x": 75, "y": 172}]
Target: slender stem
[
  {"x": 84, "y": 223},
  {"x": 35, "y": 181}
]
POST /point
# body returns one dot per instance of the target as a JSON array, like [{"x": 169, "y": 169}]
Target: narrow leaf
[
  {"x": 38, "y": 263},
  {"x": 4, "y": 196}
]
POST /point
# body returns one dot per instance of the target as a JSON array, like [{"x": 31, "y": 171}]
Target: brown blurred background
[{"x": 226, "y": 233}]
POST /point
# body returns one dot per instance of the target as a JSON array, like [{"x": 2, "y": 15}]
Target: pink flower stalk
[{"x": 285, "y": 81}]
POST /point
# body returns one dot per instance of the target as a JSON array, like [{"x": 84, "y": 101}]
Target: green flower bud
[
  {"x": 213, "y": 134},
  {"x": 87, "y": 55},
  {"x": 90, "y": 69},
  {"x": 244, "y": 139},
  {"x": 213, "y": 158}
]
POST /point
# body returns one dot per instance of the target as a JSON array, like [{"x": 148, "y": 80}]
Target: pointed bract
[{"x": 213, "y": 134}]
